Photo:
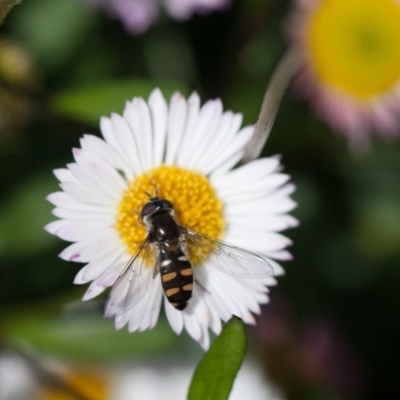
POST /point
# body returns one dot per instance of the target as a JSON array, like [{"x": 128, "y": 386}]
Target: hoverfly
[{"x": 166, "y": 248}]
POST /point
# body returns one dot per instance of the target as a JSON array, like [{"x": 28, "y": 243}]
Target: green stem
[{"x": 278, "y": 84}]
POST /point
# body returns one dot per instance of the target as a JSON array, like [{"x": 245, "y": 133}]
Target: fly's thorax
[{"x": 164, "y": 230}]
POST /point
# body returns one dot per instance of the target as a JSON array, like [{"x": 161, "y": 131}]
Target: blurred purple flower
[
  {"x": 328, "y": 360},
  {"x": 138, "y": 15},
  {"x": 315, "y": 354}
]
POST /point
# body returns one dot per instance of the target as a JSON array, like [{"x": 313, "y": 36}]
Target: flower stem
[{"x": 280, "y": 80}]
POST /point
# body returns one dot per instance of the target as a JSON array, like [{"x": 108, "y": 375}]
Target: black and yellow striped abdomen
[{"x": 176, "y": 277}]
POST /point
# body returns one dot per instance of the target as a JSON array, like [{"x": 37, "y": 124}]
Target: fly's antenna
[{"x": 155, "y": 188}]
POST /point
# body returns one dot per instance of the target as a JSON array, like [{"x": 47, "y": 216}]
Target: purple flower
[{"x": 138, "y": 15}]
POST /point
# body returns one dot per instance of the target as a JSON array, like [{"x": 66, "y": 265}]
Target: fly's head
[{"x": 155, "y": 205}]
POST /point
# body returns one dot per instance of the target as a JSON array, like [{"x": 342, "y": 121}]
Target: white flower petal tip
[
  {"x": 76, "y": 152},
  {"x": 93, "y": 291},
  {"x": 174, "y": 147},
  {"x": 79, "y": 278},
  {"x": 355, "y": 91},
  {"x": 70, "y": 257}
]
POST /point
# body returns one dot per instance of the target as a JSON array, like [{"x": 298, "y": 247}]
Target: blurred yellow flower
[
  {"x": 87, "y": 385},
  {"x": 350, "y": 63}
]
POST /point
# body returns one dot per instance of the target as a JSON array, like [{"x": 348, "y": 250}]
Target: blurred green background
[{"x": 332, "y": 328}]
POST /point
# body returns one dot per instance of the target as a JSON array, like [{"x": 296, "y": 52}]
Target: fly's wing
[
  {"x": 228, "y": 259},
  {"x": 134, "y": 282}
]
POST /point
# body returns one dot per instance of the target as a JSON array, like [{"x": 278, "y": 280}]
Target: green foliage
[
  {"x": 43, "y": 24},
  {"x": 87, "y": 104},
  {"x": 6, "y": 6},
  {"x": 73, "y": 333},
  {"x": 23, "y": 215},
  {"x": 214, "y": 376}
]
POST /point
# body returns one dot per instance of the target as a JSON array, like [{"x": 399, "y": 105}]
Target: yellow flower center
[
  {"x": 354, "y": 45},
  {"x": 195, "y": 204}
]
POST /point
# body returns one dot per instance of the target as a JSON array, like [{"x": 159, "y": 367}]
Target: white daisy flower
[{"x": 186, "y": 152}]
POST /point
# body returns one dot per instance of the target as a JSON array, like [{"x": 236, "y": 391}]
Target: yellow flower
[{"x": 350, "y": 63}]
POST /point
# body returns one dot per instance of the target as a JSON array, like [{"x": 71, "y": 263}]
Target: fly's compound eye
[
  {"x": 155, "y": 205},
  {"x": 167, "y": 205},
  {"x": 148, "y": 209}
]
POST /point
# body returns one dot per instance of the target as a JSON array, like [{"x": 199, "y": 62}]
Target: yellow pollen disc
[
  {"x": 354, "y": 45},
  {"x": 195, "y": 204}
]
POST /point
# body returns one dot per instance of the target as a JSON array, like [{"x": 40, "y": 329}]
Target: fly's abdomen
[{"x": 176, "y": 277}]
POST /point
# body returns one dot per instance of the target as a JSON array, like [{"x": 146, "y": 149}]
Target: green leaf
[
  {"x": 88, "y": 104},
  {"x": 77, "y": 331},
  {"x": 216, "y": 372}
]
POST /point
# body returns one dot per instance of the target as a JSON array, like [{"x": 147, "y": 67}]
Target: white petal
[
  {"x": 269, "y": 205},
  {"x": 95, "y": 182},
  {"x": 176, "y": 126},
  {"x": 146, "y": 312},
  {"x": 264, "y": 242},
  {"x": 79, "y": 277},
  {"x": 101, "y": 168},
  {"x": 65, "y": 201},
  {"x": 192, "y": 325},
  {"x": 109, "y": 277},
  {"x": 198, "y": 308},
  {"x": 174, "y": 316},
  {"x": 278, "y": 270},
  {"x": 120, "y": 320},
  {"x": 64, "y": 175},
  {"x": 75, "y": 231},
  {"x": 93, "y": 291},
  {"x": 228, "y": 164},
  {"x": 253, "y": 189},
  {"x": 127, "y": 298},
  {"x": 231, "y": 150},
  {"x": 250, "y": 172},
  {"x": 212, "y": 309},
  {"x": 106, "y": 258},
  {"x": 228, "y": 127},
  {"x": 137, "y": 115},
  {"x": 106, "y": 218},
  {"x": 228, "y": 291},
  {"x": 207, "y": 124},
  {"x": 264, "y": 222},
  {"x": 193, "y": 110},
  {"x": 215, "y": 316},
  {"x": 214, "y": 306},
  {"x": 107, "y": 153},
  {"x": 159, "y": 118},
  {"x": 204, "y": 340},
  {"x": 127, "y": 145},
  {"x": 152, "y": 312},
  {"x": 85, "y": 251},
  {"x": 283, "y": 255},
  {"x": 83, "y": 194}
]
